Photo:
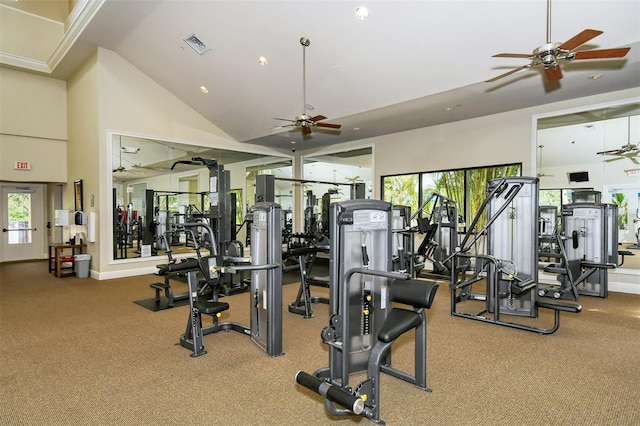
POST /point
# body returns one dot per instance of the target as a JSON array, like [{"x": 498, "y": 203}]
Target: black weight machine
[
  {"x": 363, "y": 323},
  {"x": 440, "y": 229},
  {"x": 588, "y": 250},
  {"x": 305, "y": 255},
  {"x": 509, "y": 268},
  {"x": 266, "y": 284}
]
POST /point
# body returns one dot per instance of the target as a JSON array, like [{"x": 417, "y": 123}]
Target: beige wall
[
  {"x": 31, "y": 36},
  {"x": 490, "y": 140},
  {"x": 128, "y": 102},
  {"x": 33, "y": 127},
  {"x": 83, "y": 146}
]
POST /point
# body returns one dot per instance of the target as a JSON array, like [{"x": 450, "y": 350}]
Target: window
[
  {"x": 401, "y": 190},
  {"x": 467, "y": 187}
]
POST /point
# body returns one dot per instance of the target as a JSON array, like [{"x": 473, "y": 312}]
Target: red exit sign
[{"x": 22, "y": 165}]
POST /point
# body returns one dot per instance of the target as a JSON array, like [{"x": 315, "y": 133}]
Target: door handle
[{"x": 4, "y": 229}]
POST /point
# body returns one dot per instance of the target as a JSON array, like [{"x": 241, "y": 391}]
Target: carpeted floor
[{"x": 79, "y": 352}]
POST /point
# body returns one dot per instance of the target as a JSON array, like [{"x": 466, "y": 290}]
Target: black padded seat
[
  {"x": 398, "y": 322},
  {"x": 419, "y": 295},
  {"x": 416, "y": 293},
  {"x": 210, "y": 308}
]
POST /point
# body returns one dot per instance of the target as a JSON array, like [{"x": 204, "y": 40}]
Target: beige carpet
[{"x": 80, "y": 352}]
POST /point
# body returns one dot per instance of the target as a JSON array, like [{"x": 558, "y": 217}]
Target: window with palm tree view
[{"x": 467, "y": 187}]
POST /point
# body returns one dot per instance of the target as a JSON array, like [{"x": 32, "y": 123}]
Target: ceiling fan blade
[
  {"x": 633, "y": 160},
  {"x": 306, "y": 130},
  {"x": 283, "y": 127},
  {"x": 318, "y": 118},
  {"x": 613, "y": 159},
  {"x": 329, "y": 125},
  {"x": 508, "y": 73},
  {"x": 579, "y": 39},
  {"x": 512, "y": 55},
  {"x": 609, "y": 152},
  {"x": 284, "y": 119},
  {"x": 553, "y": 74},
  {"x": 602, "y": 53}
]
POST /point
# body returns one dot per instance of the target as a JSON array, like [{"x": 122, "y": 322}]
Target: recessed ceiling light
[
  {"x": 356, "y": 128},
  {"x": 293, "y": 142},
  {"x": 362, "y": 13},
  {"x": 595, "y": 76},
  {"x": 203, "y": 89},
  {"x": 263, "y": 61}
]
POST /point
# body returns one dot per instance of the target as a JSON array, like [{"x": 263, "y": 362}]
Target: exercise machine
[
  {"x": 363, "y": 323},
  {"x": 402, "y": 240},
  {"x": 589, "y": 248},
  {"x": 266, "y": 284},
  {"x": 508, "y": 270},
  {"x": 440, "y": 230}
]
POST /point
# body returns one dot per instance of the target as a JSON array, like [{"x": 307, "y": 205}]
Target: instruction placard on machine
[{"x": 369, "y": 219}]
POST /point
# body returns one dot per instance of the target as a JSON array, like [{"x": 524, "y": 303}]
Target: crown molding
[{"x": 80, "y": 17}]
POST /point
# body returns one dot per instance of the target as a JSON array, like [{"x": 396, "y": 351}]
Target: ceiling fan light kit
[{"x": 550, "y": 54}]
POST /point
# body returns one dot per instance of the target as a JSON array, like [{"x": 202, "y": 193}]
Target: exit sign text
[{"x": 22, "y": 165}]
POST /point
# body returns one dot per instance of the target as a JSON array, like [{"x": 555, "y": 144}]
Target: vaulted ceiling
[{"x": 411, "y": 64}]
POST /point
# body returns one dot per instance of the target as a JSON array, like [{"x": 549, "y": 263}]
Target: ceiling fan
[
  {"x": 540, "y": 172},
  {"x": 304, "y": 121},
  {"x": 120, "y": 167},
  {"x": 551, "y": 54},
  {"x": 627, "y": 150}
]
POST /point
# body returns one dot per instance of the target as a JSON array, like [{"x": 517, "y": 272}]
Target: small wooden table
[{"x": 57, "y": 257}]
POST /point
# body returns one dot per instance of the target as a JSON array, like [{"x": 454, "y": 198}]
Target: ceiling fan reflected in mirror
[
  {"x": 120, "y": 167},
  {"x": 550, "y": 54},
  {"x": 541, "y": 173},
  {"x": 304, "y": 121},
  {"x": 627, "y": 150}
]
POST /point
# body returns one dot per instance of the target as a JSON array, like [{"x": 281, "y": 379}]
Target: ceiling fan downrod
[{"x": 304, "y": 42}]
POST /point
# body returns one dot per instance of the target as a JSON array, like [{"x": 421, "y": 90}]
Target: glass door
[{"x": 22, "y": 217}]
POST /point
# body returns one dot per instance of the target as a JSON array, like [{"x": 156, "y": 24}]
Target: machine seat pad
[
  {"x": 416, "y": 293},
  {"x": 302, "y": 251},
  {"x": 210, "y": 308},
  {"x": 555, "y": 269},
  {"x": 559, "y": 306},
  {"x": 398, "y": 322},
  {"x": 185, "y": 265},
  {"x": 588, "y": 264}
]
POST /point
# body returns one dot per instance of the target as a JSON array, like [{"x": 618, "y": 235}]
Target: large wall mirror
[
  {"x": 331, "y": 177},
  {"x": 595, "y": 149},
  {"x": 152, "y": 189}
]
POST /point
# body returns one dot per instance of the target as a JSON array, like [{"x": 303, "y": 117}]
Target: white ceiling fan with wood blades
[
  {"x": 304, "y": 121},
  {"x": 550, "y": 55}
]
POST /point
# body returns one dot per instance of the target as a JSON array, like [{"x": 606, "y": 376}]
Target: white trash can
[{"x": 82, "y": 263}]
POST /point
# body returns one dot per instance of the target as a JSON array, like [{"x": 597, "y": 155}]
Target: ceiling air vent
[{"x": 196, "y": 44}]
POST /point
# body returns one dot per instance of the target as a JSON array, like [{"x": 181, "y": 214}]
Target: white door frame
[{"x": 27, "y": 251}]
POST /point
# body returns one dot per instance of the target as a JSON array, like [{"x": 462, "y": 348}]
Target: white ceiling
[{"x": 401, "y": 69}]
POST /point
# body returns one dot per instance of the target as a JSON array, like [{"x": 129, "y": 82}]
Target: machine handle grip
[{"x": 330, "y": 392}]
